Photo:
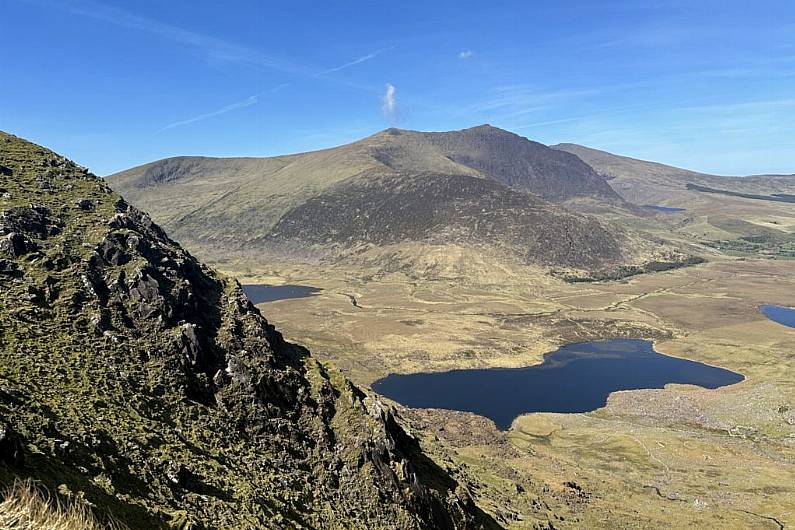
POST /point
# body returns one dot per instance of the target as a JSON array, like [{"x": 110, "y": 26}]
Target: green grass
[{"x": 121, "y": 411}]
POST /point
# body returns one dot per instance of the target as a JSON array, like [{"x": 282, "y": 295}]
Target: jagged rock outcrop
[{"x": 150, "y": 386}]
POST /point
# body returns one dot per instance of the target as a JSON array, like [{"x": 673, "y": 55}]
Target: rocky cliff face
[
  {"x": 504, "y": 157},
  {"x": 137, "y": 379}
]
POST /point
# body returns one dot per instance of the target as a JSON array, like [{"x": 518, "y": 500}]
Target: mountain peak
[
  {"x": 482, "y": 128},
  {"x": 486, "y": 127},
  {"x": 497, "y": 154}
]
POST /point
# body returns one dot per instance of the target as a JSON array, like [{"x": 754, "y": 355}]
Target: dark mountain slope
[
  {"x": 135, "y": 378},
  {"x": 442, "y": 209},
  {"x": 507, "y": 158}
]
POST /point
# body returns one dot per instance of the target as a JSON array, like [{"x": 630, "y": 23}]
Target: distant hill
[
  {"x": 741, "y": 216},
  {"x": 140, "y": 382},
  {"x": 479, "y": 188},
  {"x": 644, "y": 182}
]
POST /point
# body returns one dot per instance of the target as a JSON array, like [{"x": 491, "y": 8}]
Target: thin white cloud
[
  {"x": 213, "y": 47},
  {"x": 544, "y": 123},
  {"x": 465, "y": 54},
  {"x": 388, "y": 102},
  {"x": 356, "y": 61},
  {"x": 248, "y": 102},
  {"x": 253, "y": 100},
  {"x": 733, "y": 107},
  {"x": 521, "y": 99}
]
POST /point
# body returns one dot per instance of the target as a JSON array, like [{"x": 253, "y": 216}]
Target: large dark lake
[
  {"x": 259, "y": 293},
  {"x": 777, "y": 313},
  {"x": 575, "y": 378}
]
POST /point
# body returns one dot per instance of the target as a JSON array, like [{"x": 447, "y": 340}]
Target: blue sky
[{"x": 707, "y": 85}]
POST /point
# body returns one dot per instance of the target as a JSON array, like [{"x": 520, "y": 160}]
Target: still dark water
[
  {"x": 777, "y": 313},
  {"x": 666, "y": 209},
  {"x": 575, "y": 378},
  {"x": 259, "y": 293}
]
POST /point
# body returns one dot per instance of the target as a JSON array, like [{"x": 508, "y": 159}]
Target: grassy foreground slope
[
  {"x": 26, "y": 507},
  {"x": 137, "y": 380}
]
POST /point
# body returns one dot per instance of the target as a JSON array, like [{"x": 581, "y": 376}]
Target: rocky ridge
[{"x": 136, "y": 379}]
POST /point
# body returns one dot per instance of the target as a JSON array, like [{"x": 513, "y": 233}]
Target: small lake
[
  {"x": 575, "y": 378},
  {"x": 778, "y": 313},
  {"x": 260, "y": 293},
  {"x": 666, "y": 209}
]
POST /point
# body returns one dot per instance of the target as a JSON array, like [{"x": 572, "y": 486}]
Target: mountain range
[
  {"x": 483, "y": 189},
  {"x": 644, "y": 182}
]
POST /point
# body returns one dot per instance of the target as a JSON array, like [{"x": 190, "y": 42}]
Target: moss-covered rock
[{"x": 135, "y": 378}]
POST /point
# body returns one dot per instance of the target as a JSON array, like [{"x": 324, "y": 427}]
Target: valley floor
[{"x": 675, "y": 457}]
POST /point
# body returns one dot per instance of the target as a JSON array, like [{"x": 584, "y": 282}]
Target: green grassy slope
[{"x": 136, "y": 379}]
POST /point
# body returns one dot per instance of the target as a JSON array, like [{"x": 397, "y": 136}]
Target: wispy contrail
[
  {"x": 356, "y": 61},
  {"x": 214, "y": 47},
  {"x": 248, "y": 102},
  {"x": 252, "y": 100}
]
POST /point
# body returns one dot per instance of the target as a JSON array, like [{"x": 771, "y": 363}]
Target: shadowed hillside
[{"x": 449, "y": 209}]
